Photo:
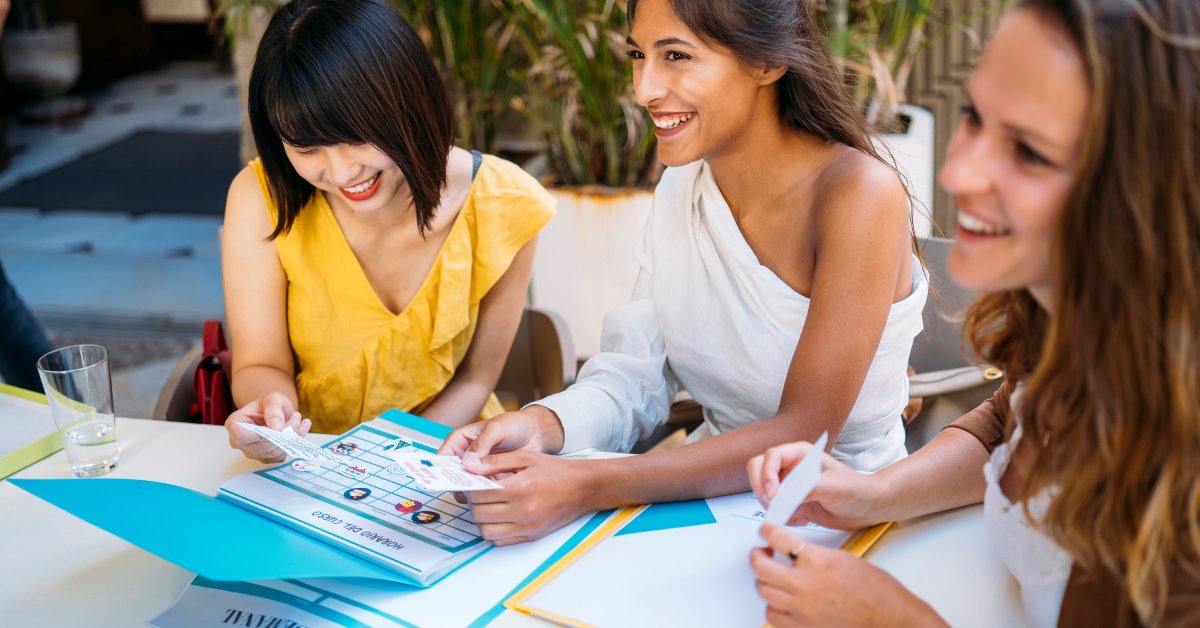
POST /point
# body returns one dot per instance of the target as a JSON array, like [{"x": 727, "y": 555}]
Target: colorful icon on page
[
  {"x": 394, "y": 469},
  {"x": 409, "y": 505},
  {"x": 344, "y": 448},
  {"x": 353, "y": 472},
  {"x": 356, "y": 493},
  {"x": 306, "y": 466},
  {"x": 425, "y": 517}
]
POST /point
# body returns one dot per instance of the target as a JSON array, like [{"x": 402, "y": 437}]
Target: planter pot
[
  {"x": 913, "y": 152},
  {"x": 585, "y": 265},
  {"x": 244, "y": 47}
]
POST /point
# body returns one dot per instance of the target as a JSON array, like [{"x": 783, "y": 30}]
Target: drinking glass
[{"x": 79, "y": 387}]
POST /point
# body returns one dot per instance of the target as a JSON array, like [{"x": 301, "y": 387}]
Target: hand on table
[
  {"x": 541, "y": 494},
  {"x": 843, "y": 498},
  {"x": 829, "y": 587},
  {"x": 275, "y": 411}
]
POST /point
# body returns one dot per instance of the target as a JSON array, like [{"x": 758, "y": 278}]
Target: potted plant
[
  {"x": 600, "y": 155},
  {"x": 474, "y": 47},
  {"x": 245, "y": 21},
  {"x": 876, "y": 43}
]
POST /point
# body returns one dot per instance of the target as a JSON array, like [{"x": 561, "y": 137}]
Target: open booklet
[
  {"x": 361, "y": 517},
  {"x": 366, "y": 503}
]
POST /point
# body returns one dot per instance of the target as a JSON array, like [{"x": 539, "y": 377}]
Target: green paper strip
[{"x": 35, "y": 451}]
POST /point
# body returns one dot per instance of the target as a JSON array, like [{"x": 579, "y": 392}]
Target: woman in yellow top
[{"x": 368, "y": 263}]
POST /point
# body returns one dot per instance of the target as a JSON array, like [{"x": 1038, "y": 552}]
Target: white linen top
[
  {"x": 1041, "y": 567},
  {"x": 705, "y": 314}
]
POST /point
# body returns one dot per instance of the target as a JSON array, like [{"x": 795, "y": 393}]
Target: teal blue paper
[
  {"x": 670, "y": 515},
  {"x": 212, "y": 538},
  {"x": 416, "y": 423}
]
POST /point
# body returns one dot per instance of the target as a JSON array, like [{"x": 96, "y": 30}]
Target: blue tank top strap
[{"x": 476, "y": 159}]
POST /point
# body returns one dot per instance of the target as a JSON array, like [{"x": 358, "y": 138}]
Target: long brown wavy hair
[{"x": 1111, "y": 398}]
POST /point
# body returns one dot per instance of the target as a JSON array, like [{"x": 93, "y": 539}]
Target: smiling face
[
  {"x": 701, "y": 99},
  {"x": 358, "y": 177},
  {"x": 1013, "y": 157}
]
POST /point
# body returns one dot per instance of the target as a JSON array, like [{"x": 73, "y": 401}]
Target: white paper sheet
[
  {"x": 292, "y": 444},
  {"x": 797, "y": 485},
  {"x": 440, "y": 473}
]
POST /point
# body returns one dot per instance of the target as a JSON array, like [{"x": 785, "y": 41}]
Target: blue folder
[{"x": 211, "y": 537}]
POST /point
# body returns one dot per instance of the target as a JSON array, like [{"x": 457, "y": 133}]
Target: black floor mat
[{"x": 149, "y": 172}]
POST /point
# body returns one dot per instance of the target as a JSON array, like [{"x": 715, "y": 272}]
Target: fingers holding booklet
[
  {"x": 377, "y": 491},
  {"x": 540, "y": 493},
  {"x": 274, "y": 411}
]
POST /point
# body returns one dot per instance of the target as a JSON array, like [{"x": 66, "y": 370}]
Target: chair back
[
  {"x": 179, "y": 392},
  {"x": 940, "y": 346},
  {"x": 939, "y": 350},
  {"x": 541, "y": 361}
]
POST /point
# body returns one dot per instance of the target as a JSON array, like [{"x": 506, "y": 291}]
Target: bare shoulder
[
  {"x": 858, "y": 193},
  {"x": 246, "y": 212},
  {"x": 459, "y": 177}
]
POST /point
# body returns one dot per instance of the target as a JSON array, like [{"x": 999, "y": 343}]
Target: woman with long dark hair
[
  {"x": 1074, "y": 171},
  {"x": 777, "y": 286},
  {"x": 369, "y": 263}
]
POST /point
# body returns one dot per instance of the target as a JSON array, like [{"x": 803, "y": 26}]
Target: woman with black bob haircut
[{"x": 368, "y": 262}]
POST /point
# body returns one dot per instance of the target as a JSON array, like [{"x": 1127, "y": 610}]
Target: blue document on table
[
  {"x": 471, "y": 596},
  {"x": 360, "y": 518}
]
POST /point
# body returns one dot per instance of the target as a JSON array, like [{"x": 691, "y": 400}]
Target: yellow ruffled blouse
[{"x": 355, "y": 358}]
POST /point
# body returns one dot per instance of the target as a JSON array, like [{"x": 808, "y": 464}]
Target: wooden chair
[
  {"x": 179, "y": 392},
  {"x": 541, "y": 363}
]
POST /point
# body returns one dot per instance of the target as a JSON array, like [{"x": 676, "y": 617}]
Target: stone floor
[{"x": 140, "y": 285}]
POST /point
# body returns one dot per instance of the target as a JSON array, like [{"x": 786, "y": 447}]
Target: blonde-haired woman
[{"x": 1075, "y": 173}]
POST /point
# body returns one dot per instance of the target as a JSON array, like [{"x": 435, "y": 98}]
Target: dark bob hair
[{"x": 348, "y": 72}]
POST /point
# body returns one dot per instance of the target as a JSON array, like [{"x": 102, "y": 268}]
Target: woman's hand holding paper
[
  {"x": 829, "y": 587},
  {"x": 541, "y": 494},
  {"x": 535, "y": 429},
  {"x": 274, "y": 410},
  {"x": 843, "y": 498}
]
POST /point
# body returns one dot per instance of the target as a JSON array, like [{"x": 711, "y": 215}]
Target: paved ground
[{"x": 141, "y": 286}]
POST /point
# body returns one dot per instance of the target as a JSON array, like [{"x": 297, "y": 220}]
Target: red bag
[{"x": 214, "y": 397}]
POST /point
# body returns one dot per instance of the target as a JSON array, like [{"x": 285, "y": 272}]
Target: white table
[{"x": 58, "y": 570}]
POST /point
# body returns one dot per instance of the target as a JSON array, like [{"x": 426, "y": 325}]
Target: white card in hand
[
  {"x": 796, "y": 487},
  {"x": 292, "y": 443},
  {"x": 435, "y": 474}
]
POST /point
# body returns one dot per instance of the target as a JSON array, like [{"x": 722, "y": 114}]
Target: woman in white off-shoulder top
[{"x": 778, "y": 284}]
